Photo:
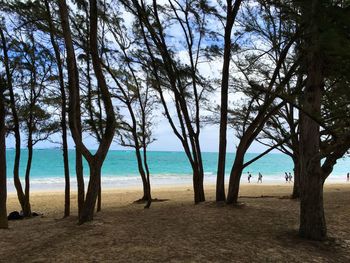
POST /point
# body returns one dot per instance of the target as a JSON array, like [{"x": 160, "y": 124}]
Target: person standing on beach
[
  {"x": 260, "y": 178},
  {"x": 290, "y": 177},
  {"x": 286, "y": 177},
  {"x": 348, "y": 177},
  {"x": 249, "y": 177}
]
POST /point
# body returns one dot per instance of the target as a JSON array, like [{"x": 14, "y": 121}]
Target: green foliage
[{"x": 335, "y": 40}]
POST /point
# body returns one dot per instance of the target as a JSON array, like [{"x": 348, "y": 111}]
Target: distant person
[
  {"x": 260, "y": 178},
  {"x": 290, "y": 177},
  {"x": 249, "y": 177},
  {"x": 348, "y": 177},
  {"x": 286, "y": 176}
]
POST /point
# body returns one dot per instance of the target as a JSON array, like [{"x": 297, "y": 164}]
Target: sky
[
  {"x": 165, "y": 141},
  {"x": 165, "y": 138}
]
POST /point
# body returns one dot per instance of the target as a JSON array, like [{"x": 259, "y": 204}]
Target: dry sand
[{"x": 263, "y": 230}]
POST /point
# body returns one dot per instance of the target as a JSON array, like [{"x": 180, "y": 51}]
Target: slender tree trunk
[
  {"x": 230, "y": 19},
  {"x": 95, "y": 161},
  {"x": 3, "y": 179},
  {"x": 63, "y": 112},
  {"x": 87, "y": 212},
  {"x": 149, "y": 195},
  {"x": 66, "y": 172},
  {"x": 80, "y": 180},
  {"x": 296, "y": 185},
  {"x": 16, "y": 129},
  {"x": 220, "y": 180},
  {"x": 90, "y": 110},
  {"x": 148, "y": 191},
  {"x": 198, "y": 172},
  {"x": 142, "y": 173},
  {"x": 16, "y": 179},
  {"x": 237, "y": 169},
  {"x": 145, "y": 189},
  {"x": 235, "y": 178},
  {"x": 198, "y": 186},
  {"x": 143, "y": 177},
  {"x": 27, "y": 209},
  {"x": 99, "y": 198}
]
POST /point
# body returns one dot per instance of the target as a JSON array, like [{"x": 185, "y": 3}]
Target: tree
[
  {"x": 231, "y": 13},
  {"x": 320, "y": 148},
  {"x": 3, "y": 178},
  {"x": 30, "y": 13},
  {"x": 95, "y": 161},
  {"x": 174, "y": 76},
  {"x": 284, "y": 125},
  {"x": 15, "y": 125},
  {"x": 261, "y": 68},
  {"x": 59, "y": 64},
  {"x": 31, "y": 74},
  {"x": 134, "y": 91},
  {"x": 281, "y": 126}
]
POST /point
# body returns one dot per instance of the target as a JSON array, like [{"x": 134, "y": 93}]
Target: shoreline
[{"x": 167, "y": 180}]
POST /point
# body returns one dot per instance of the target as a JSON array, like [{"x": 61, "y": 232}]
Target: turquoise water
[{"x": 120, "y": 168}]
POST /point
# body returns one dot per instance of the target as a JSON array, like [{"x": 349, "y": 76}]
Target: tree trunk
[
  {"x": 66, "y": 174},
  {"x": 220, "y": 180},
  {"x": 63, "y": 112},
  {"x": 145, "y": 189},
  {"x": 80, "y": 180},
  {"x": 16, "y": 179},
  {"x": 95, "y": 161},
  {"x": 198, "y": 171},
  {"x": 230, "y": 19},
  {"x": 198, "y": 187},
  {"x": 149, "y": 196},
  {"x": 236, "y": 173},
  {"x": 235, "y": 178},
  {"x": 141, "y": 170},
  {"x": 27, "y": 209},
  {"x": 296, "y": 185},
  {"x": 99, "y": 198},
  {"x": 87, "y": 212},
  {"x": 3, "y": 179},
  {"x": 312, "y": 219}
]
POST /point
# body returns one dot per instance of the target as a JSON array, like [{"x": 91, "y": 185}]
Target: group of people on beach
[
  {"x": 259, "y": 177},
  {"x": 288, "y": 177}
]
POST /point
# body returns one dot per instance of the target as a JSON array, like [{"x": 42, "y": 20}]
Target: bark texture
[
  {"x": 235, "y": 175},
  {"x": 3, "y": 181},
  {"x": 63, "y": 110},
  {"x": 188, "y": 128},
  {"x": 16, "y": 128},
  {"x": 312, "y": 219},
  {"x": 95, "y": 161},
  {"x": 232, "y": 11},
  {"x": 296, "y": 185}
]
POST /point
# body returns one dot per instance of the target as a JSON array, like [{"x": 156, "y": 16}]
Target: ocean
[{"x": 167, "y": 168}]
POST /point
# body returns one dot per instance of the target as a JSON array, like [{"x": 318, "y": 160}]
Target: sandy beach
[{"x": 264, "y": 229}]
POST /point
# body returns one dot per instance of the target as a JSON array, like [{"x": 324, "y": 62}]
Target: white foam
[{"x": 110, "y": 181}]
